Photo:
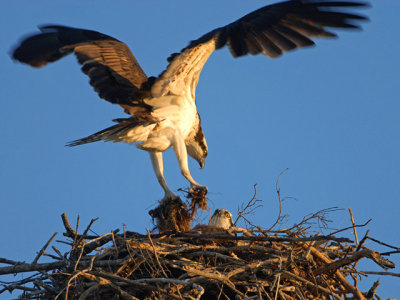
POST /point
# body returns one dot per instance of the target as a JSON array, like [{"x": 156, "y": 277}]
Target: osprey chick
[
  {"x": 221, "y": 218},
  {"x": 163, "y": 109}
]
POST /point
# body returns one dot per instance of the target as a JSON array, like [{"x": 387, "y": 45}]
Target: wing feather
[
  {"x": 114, "y": 72},
  {"x": 270, "y": 30}
]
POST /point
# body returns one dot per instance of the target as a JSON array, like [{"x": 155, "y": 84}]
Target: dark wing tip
[
  {"x": 52, "y": 27},
  {"x": 284, "y": 26},
  {"x": 340, "y": 3},
  {"x": 281, "y": 27},
  {"x": 73, "y": 143},
  {"x": 38, "y": 49}
]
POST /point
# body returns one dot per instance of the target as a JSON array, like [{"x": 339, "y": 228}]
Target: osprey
[
  {"x": 163, "y": 109},
  {"x": 221, "y": 218}
]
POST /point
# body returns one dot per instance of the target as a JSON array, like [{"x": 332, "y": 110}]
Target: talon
[
  {"x": 199, "y": 188},
  {"x": 198, "y": 197}
]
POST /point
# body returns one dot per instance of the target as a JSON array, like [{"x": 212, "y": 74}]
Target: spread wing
[
  {"x": 114, "y": 71},
  {"x": 270, "y": 30}
]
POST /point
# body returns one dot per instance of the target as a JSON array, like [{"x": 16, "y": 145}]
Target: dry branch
[{"x": 249, "y": 264}]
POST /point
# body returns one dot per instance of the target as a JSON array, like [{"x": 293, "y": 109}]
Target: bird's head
[
  {"x": 197, "y": 147},
  {"x": 221, "y": 218}
]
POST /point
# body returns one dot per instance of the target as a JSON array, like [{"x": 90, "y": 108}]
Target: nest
[{"x": 204, "y": 263}]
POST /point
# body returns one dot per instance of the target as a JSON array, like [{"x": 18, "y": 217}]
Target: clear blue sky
[{"x": 330, "y": 114}]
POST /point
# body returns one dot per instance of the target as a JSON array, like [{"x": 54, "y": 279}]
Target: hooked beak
[{"x": 202, "y": 163}]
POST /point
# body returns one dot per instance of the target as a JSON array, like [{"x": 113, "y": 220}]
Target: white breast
[{"x": 177, "y": 111}]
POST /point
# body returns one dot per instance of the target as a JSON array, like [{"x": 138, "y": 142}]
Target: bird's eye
[{"x": 226, "y": 214}]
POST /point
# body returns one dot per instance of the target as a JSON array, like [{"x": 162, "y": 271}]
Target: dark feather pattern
[
  {"x": 114, "y": 72},
  {"x": 277, "y": 28}
]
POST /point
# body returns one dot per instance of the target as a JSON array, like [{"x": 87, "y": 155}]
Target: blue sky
[{"x": 329, "y": 113}]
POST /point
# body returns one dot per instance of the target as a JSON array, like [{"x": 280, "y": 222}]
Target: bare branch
[
  {"x": 384, "y": 244},
  {"x": 249, "y": 209},
  {"x": 278, "y": 192},
  {"x": 354, "y": 226},
  {"x": 44, "y": 248}
]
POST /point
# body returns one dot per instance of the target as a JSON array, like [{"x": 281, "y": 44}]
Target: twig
[
  {"x": 169, "y": 280},
  {"x": 249, "y": 208},
  {"x": 371, "y": 293},
  {"x": 311, "y": 244},
  {"x": 44, "y": 286},
  {"x": 348, "y": 260},
  {"x": 219, "y": 277},
  {"x": 140, "y": 282},
  {"x": 384, "y": 244},
  {"x": 156, "y": 255},
  {"x": 299, "y": 293},
  {"x": 122, "y": 279},
  {"x": 338, "y": 274},
  {"x": 376, "y": 273},
  {"x": 214, "y": 254},
  {"x": 322, "y": 289},
  {"x": 278, "y": 280},
  {"x": 354, "y": 226},
  {"x": 88, "y": 228},
  {"x": 278, "y": 191},
  {"x": 10, "y": 262},
  {"x": 69, "y": 282},
  {"x": 362, "y": 241},
  {"x": 43, "y": 249},
  {"x": 99, "y": 241},
  {"x": 390, "y": 252},
  {"x": 103, "y": 281},
  {"x": 71, "y": 233},
  {"x": 24, "y": 267},
  {"x": 87, "y": 292},
  {"x": 350, "y": 227},
  {"x": 74, "y": 233},
  {"x": 319, "y": 215},
  {"x": 358, "y": 249}
]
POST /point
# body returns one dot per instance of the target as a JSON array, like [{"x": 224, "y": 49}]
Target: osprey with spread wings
[{"x": 163, "y": 109}]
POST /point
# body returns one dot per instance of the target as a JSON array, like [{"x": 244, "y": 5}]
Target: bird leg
[
  {"x": 157, "y": 162},
  {"x": 178, "y": 144}
]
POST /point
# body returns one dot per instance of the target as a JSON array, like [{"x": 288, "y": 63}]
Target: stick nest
[{"x": 204, "y": 263}]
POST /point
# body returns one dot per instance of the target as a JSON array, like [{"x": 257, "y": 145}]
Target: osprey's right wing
[{"x": 114, "y": 71}]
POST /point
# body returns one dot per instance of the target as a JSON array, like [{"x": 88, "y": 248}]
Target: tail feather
[{"x": 128, "y": 130}]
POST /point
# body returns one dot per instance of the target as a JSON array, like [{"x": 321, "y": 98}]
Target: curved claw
[
  {"x": 198, "y": 197},
  {"x": 198, "y": 188}
]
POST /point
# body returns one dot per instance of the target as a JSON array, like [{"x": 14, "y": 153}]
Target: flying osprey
[{"x": 163, "y": 109}]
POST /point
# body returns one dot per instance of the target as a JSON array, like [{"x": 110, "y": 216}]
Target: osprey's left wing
[{"x": 270, "y": 30}]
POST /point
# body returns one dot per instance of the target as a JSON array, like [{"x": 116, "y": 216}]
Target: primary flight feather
[{"x": 163, "y": 109}]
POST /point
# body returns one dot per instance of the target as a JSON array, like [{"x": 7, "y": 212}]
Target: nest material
[
  {"x": 171, "y": 215},
  {"x": 234, "y": 264},
  {"x": 176, "y": 215}
]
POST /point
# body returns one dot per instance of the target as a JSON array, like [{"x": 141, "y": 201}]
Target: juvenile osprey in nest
[
  {"x": 221, "y": 218},
  {"x": 163, "y": 109}
]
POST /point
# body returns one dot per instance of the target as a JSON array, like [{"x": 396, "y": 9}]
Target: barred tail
[{"x": 129, "y": 130}]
